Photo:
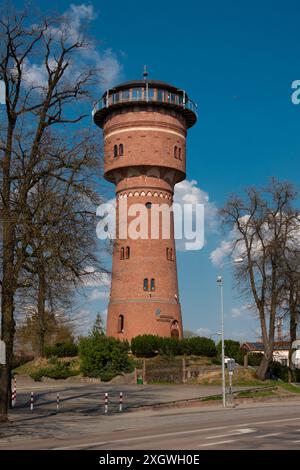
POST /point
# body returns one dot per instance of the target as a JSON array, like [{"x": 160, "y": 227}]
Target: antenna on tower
[{"x": 145, "y": 73}]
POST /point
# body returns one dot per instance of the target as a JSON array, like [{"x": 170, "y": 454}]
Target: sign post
[
  {"x": 230, "y": 367},
  {"x": 2, "y": 353},
  {"x": 296, "y": 354}
]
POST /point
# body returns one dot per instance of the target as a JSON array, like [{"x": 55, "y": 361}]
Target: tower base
[{"x": 130, "y": 318}]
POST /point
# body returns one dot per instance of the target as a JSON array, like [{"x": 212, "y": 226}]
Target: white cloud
[
  {"x": 239, "y": 336},
  {"x": 187, "y": 194},
  {"x": 234, "y": 245},
  {"x": 2, "y": 92},
  {"x": 203, "y": 331},
  {"x": 242, "y": 310},
  {"x": 236, "y": 312},
  {"x": 219, "y": 254},
  {"x": 79, "y": 12},
  {"x": 104, "y": 313},
  {"x": 71, "y": 28},
  {"x": 97, "y": 294},
  {"x": 93, "y": 278}
]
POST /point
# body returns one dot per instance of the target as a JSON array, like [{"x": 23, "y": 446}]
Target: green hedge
[
  {"x": 281, "y": 372},
  {"x": 255, "y": 359},
  {"x": 56, "y": 370},
  {"x": 232, "y": 350},
  {"x": 62, "y": 350},
  {"x": 199, "y": 346},
  {"x": 150, "y": 346},
  {"x": 145, "y": 345},
  {"x": 104, "y": 357}
]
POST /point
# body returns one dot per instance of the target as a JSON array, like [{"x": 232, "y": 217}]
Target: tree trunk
[
  {"x": 8, "y": 282},
  {"x": 8, "y": 329},
  {"x": 264, "y": 366},
  {"x": 41, "y": 310},
  {"x": 293, "y": 332}
]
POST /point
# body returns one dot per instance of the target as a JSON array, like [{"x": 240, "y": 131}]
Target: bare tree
[
  {"x": 60, "y": 226},
  {"x": 290, "y": 299},
  {"x": 262, "y": 224},
  {"x": 32, "y": 109},
  {"x": 57, "y": 328}
]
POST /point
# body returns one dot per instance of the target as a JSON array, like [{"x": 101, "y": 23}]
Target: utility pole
[{"x": 220, "y": 283}]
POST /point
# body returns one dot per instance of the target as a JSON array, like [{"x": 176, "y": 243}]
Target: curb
[{"x": 204, "y": 401}]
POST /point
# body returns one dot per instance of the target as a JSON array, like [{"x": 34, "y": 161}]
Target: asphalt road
[
  {"x": 257, "y": 426},
  {"x": 89, "y": 398}
]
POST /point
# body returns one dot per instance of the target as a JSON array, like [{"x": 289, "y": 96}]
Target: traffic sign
[
  {"x": 2, "y": 353},
  {"x": 230, "y": 365},
  {"x": 296, "y": 359}
]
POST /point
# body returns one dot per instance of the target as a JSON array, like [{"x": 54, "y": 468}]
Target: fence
[{"x": 174, "y": 370}]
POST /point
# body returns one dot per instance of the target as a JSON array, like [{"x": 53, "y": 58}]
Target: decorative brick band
[
  {"x": 145, "y": 129},
  {"x": 143, "y": 193}
]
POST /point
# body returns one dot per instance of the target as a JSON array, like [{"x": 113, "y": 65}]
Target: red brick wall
[{"x": 146, "y": 172}]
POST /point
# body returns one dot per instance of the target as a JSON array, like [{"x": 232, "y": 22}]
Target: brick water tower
[{"x": 144, "y": 126}]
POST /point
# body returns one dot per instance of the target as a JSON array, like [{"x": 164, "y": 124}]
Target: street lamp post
[{"x": 220, "y": 283}]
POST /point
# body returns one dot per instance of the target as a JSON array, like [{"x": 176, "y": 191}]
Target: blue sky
[{"x": 237, "y": 60}]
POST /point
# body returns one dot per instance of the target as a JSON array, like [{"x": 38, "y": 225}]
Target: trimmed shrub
[
  {"x": 104, "y": 357},
  {"x": 232, "y": 350},
  {"x": 145, "y": 345},
  {"x": 62, "y": 350},
  {"x": 254, "y": 360},
  {"x": 281, "y": 372},
  {"x": 39, "y": 374},
  {"x": 150, "y": 346},
  {"x": 170, "y": 346},
  {"x": 199, "y": 346},
  {"x": 56, "y": 370}
]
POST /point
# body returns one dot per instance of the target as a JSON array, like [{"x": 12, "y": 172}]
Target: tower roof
[{"x": 145, "y": 92}]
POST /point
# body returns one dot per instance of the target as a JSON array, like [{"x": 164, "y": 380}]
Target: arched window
[
  {"x": 148, "y": 205},
  {"x": 152, "y": 284},
  {"x": 175, "y": 151},
  {"x": 121, "y": 149},
  {"x": 121, "y": 324},
  {"x": 179, "y": 153},
  {"x": 145, "y": 284},
  {"x": 171, "y": 254},
  {"x": 127, "y": 253},
  {"x": 122, "y": 253},
  {"x": 167, "y": 250},
  {"x": 115, "y": 150}
]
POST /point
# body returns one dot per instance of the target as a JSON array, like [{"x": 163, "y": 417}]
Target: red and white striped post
[
  {"x": 31, "y": 401},
  {"x": 121, "y": 402},
  {"x": 57, "y": 403},
  {"x": 14, "y": 394},
  {"x": 106, "y": 403}
]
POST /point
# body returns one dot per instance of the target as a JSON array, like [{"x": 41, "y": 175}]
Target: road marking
[
  {"x": 170, "y": 434},
  {"x": 269, "y": 435},
  {"x": 216, "y": 443},
  {"x": 237, "y": 432}
]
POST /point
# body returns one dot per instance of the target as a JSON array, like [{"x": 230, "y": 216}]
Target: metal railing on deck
[{"x": 145, "y": 94}]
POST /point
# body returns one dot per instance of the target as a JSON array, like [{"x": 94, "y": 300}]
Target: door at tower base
[{"x": 128, "y": 319}]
